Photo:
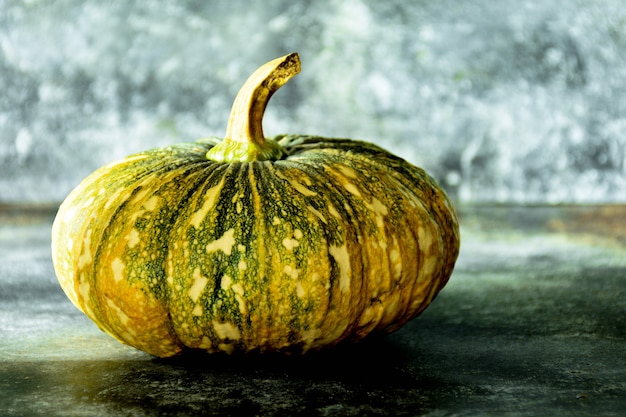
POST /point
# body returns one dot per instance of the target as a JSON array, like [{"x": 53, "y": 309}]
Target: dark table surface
[{"x": 532, "y": 323}]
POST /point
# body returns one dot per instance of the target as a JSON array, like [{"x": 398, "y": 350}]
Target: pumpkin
[{"x": 248, "y": 244}]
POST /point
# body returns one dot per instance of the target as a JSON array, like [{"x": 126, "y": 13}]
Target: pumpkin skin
[{"x": 336, "y": 240}]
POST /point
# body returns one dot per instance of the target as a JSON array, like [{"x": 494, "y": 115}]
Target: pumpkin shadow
[
  {"x": 377, "y": 356},
  {"x": 370, "y": 378}
]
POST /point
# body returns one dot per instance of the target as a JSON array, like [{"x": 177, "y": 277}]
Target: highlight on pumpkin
[{"x": 244, "y": 141}]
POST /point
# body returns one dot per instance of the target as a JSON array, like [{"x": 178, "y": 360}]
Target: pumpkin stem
[{"x": 244, "y": 141}]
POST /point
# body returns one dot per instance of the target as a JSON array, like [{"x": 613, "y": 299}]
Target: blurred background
[{"x": 506, "y": 101}]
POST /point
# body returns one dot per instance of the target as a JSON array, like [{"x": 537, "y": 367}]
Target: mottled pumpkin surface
[
  {"x": 248, "y": 244},
  {"x": 335, "y": 241}
]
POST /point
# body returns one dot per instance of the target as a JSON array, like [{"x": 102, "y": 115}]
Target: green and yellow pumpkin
[{"x": 289, "y": 244}]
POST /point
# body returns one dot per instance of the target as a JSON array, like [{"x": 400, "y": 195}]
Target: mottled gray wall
[{"x": 508, "y": 100}]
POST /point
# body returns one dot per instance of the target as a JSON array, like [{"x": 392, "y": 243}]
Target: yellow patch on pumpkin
[
  {"x": 291, "y": 272},
  {"x": 199, "y": 282},
  {"x": 209, "y": 201},
  {"x": 117, "y": 266},
  {"x": 347, "y": 171},
  {"x": 133, "y": 238},
  {"x": 226, "y": 330},
  {"x": 341, "y": 255},
  {"x": 85, "y": 256},
  {"x": 224, "y": 243},
  {"x": 151, "y": 203},
  {"x": 298, "y": 187},
  {"x": 352, "y": 189}
]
